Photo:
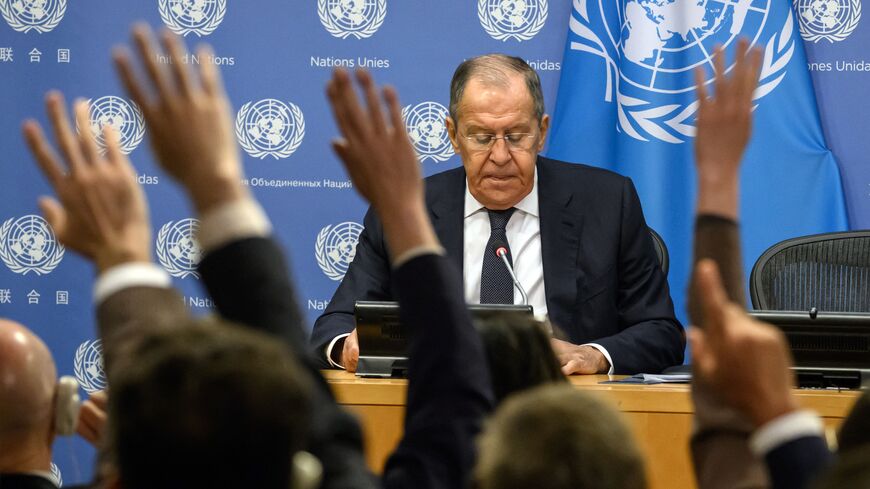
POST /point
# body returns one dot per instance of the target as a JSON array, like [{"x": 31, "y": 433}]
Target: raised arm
[{"x": 449, "y": 389}]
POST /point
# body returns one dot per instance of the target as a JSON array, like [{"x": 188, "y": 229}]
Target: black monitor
[
  {"x": 830, "y": 349},
  {"x": 383, "y": 343}
]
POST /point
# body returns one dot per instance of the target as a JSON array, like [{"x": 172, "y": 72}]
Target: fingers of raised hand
[
  {"x": 178, "y": 53},
  {"x": 376, "y": 117},
  {"x": 45, "y": 156},
  {"x": 209, "y": 74},
  {"x": 713, "y": 298},
  {"x": 86, "y": 138},
  {"x": 143, "y": 38},
  {"x": 63, "y": 132}
]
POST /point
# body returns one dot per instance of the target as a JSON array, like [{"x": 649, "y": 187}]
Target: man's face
[{"x": 499, "y": 176}]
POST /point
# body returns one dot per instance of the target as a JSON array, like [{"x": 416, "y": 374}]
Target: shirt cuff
[
  {"x": 128, "y": 275},
  {"x": 418, "y": 251},
  {"x": 603, "y": 352},
  {"x": 784, "y": 429},
  {"x": 230, "y": 222},
  {"x": 329, "y": 350}
]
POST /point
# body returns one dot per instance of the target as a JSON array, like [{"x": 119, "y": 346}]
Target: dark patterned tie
[{"x": 496, "y": 285}]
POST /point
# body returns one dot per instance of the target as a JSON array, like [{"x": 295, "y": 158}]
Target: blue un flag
[{"x": 626, "y": 102}]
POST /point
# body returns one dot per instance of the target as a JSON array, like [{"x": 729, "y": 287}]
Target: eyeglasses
[{"x": 514, "y": 141}]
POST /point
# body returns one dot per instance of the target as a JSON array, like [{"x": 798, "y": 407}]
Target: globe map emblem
[
  {"x": 28, "y": 244},
  {"x": 427, "y": 129},
  {"x": 351, "y": 15},
  {"x": 663, "y": 41},
  {"x": 200, "y": 17},
  {"x": 826, "y": 19},
  {"x": 177, "y": 248},
  {"x": 88, "y": 366},
  {"x": 270, "y": 128},
  {"x": 336, "y": 247},
  {"x": 123, "y": 116},
  {"x": 512, "y": 16},
  {"x": 39, "y": 15}
]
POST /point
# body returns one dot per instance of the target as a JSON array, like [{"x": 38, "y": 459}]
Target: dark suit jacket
[
  {"x": 601, "y": 275},
  {"x": 25, "y": 481},
  {"x": 449, "y": 390}
]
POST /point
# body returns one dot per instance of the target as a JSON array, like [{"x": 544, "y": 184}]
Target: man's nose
[{"x": 500, "y": 153}]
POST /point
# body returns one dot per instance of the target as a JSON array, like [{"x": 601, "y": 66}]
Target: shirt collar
[{"x": 529, "y": 204}]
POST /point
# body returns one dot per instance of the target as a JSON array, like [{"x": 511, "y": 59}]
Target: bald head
[{"x": 27, "y": 383}]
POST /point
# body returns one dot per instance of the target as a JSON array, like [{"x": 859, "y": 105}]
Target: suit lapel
[
  {"x": 446, "y": 209},
  {"x": 561, "y": 226}
]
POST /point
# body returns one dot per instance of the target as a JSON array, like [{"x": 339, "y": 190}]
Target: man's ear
[
  {"x": 545, "y": 128},
  {"x": 451, "y": 133}
]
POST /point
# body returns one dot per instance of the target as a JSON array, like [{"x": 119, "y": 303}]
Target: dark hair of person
[
  {"x": 518, "y": 353},
  {"x": 495, "y": 69},
  {"x": 206, "y": 404}
]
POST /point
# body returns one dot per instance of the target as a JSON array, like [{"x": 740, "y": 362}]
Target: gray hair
[{"x": 494, "y": 69}]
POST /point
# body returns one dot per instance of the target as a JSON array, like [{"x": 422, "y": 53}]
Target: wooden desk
[{"x": 659, "y": 415}]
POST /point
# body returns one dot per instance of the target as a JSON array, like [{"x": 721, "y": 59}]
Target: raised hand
[
  {"x": 93, "y": 417},
  {"x": 724, "y": 126},
  {"x": 746, "y": 362},
  {"x": 188, "y": 115},
  {"x": 380, "y": 159},
  {"x": 100, "y": 211}
]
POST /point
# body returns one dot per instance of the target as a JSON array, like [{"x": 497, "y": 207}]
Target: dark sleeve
[
  {"x": 720, "y": 440},
  {"x": 133, "y": 309},
  {"x": 717, "y": 238},
  {"x": 249, "y": 283},
  {"x": 650, "y": 337},
  {"x": 796, "y": 464},
  {"x": 367, "y": 278},
  {"x": 449, "y": 391}
]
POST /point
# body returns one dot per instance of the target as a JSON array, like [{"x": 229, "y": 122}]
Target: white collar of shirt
[{"x": 529, "y": 204}]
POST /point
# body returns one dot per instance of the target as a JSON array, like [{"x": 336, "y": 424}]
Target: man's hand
[
  {"x": 350, "y": 352},
  {"x": 101, "y": 213},
  {"x": 579, "y": 359},
  {"x": 380, "y": 160},
  {"x": 724, "y": 126},
  {"x": 188, "y": 116},
  {"x": 746, "y": 362},
  {"x": 92, "y": 418}
]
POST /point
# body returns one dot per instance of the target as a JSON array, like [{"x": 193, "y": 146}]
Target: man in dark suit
[{"x": 576, "y": 235}]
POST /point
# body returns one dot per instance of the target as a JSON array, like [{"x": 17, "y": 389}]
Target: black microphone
[{"x": 501, "y": 250}]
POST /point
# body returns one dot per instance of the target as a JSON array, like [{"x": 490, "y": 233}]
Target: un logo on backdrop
[
  {"x": 200, "y": 17},
  {"x": 649, "y": 62},
  {"x": 357, "y": 18},
  {"x": 512, "y": 19},
  {"x": 33, "y": 15},
  {"x": 270, "y": 128},
  {"x": 831, "y": 20},
  {"x": 28, "y": 244},
  {"x": 177, "y": 249},
  {"x": 336, "y": 247},
  {"x": 428, "y": 130},
  {"x": 88, "y": 366},
  {"x": 125, "y": 117}
]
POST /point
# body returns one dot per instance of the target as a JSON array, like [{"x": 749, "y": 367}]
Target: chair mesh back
[
  {"x": 830, "y": 272},
  {"x": 661, "y": 250}
]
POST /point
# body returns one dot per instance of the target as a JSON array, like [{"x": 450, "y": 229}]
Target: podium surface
[{"x": 660, "y": 416}]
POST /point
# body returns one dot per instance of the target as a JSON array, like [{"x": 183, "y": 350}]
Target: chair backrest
[
  {"x": 830, "y": 272},
  {"x": 661, "y": 250}
]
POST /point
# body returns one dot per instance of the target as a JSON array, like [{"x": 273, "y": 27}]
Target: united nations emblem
[
  {"x": 357, "y": 18},
  {"x": 200, "y": 17},
  {"x": 28, "y": 244},
  {"x": 270, "y": 128},
  {"x": 336, "y": 247},
  {"x": 125, "y": 117},
  {"x": 512, "y": 19},
  {"x": 650, "y": 49},
  {"x": 428, "y": 131},
  {"x": 88, "y": 366},
  {"x": 56, "y": 476},
  {"x": 33, "y": 15},
  {"x": 177, "y": 249},
  {"x": 831, "y": 20}
]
